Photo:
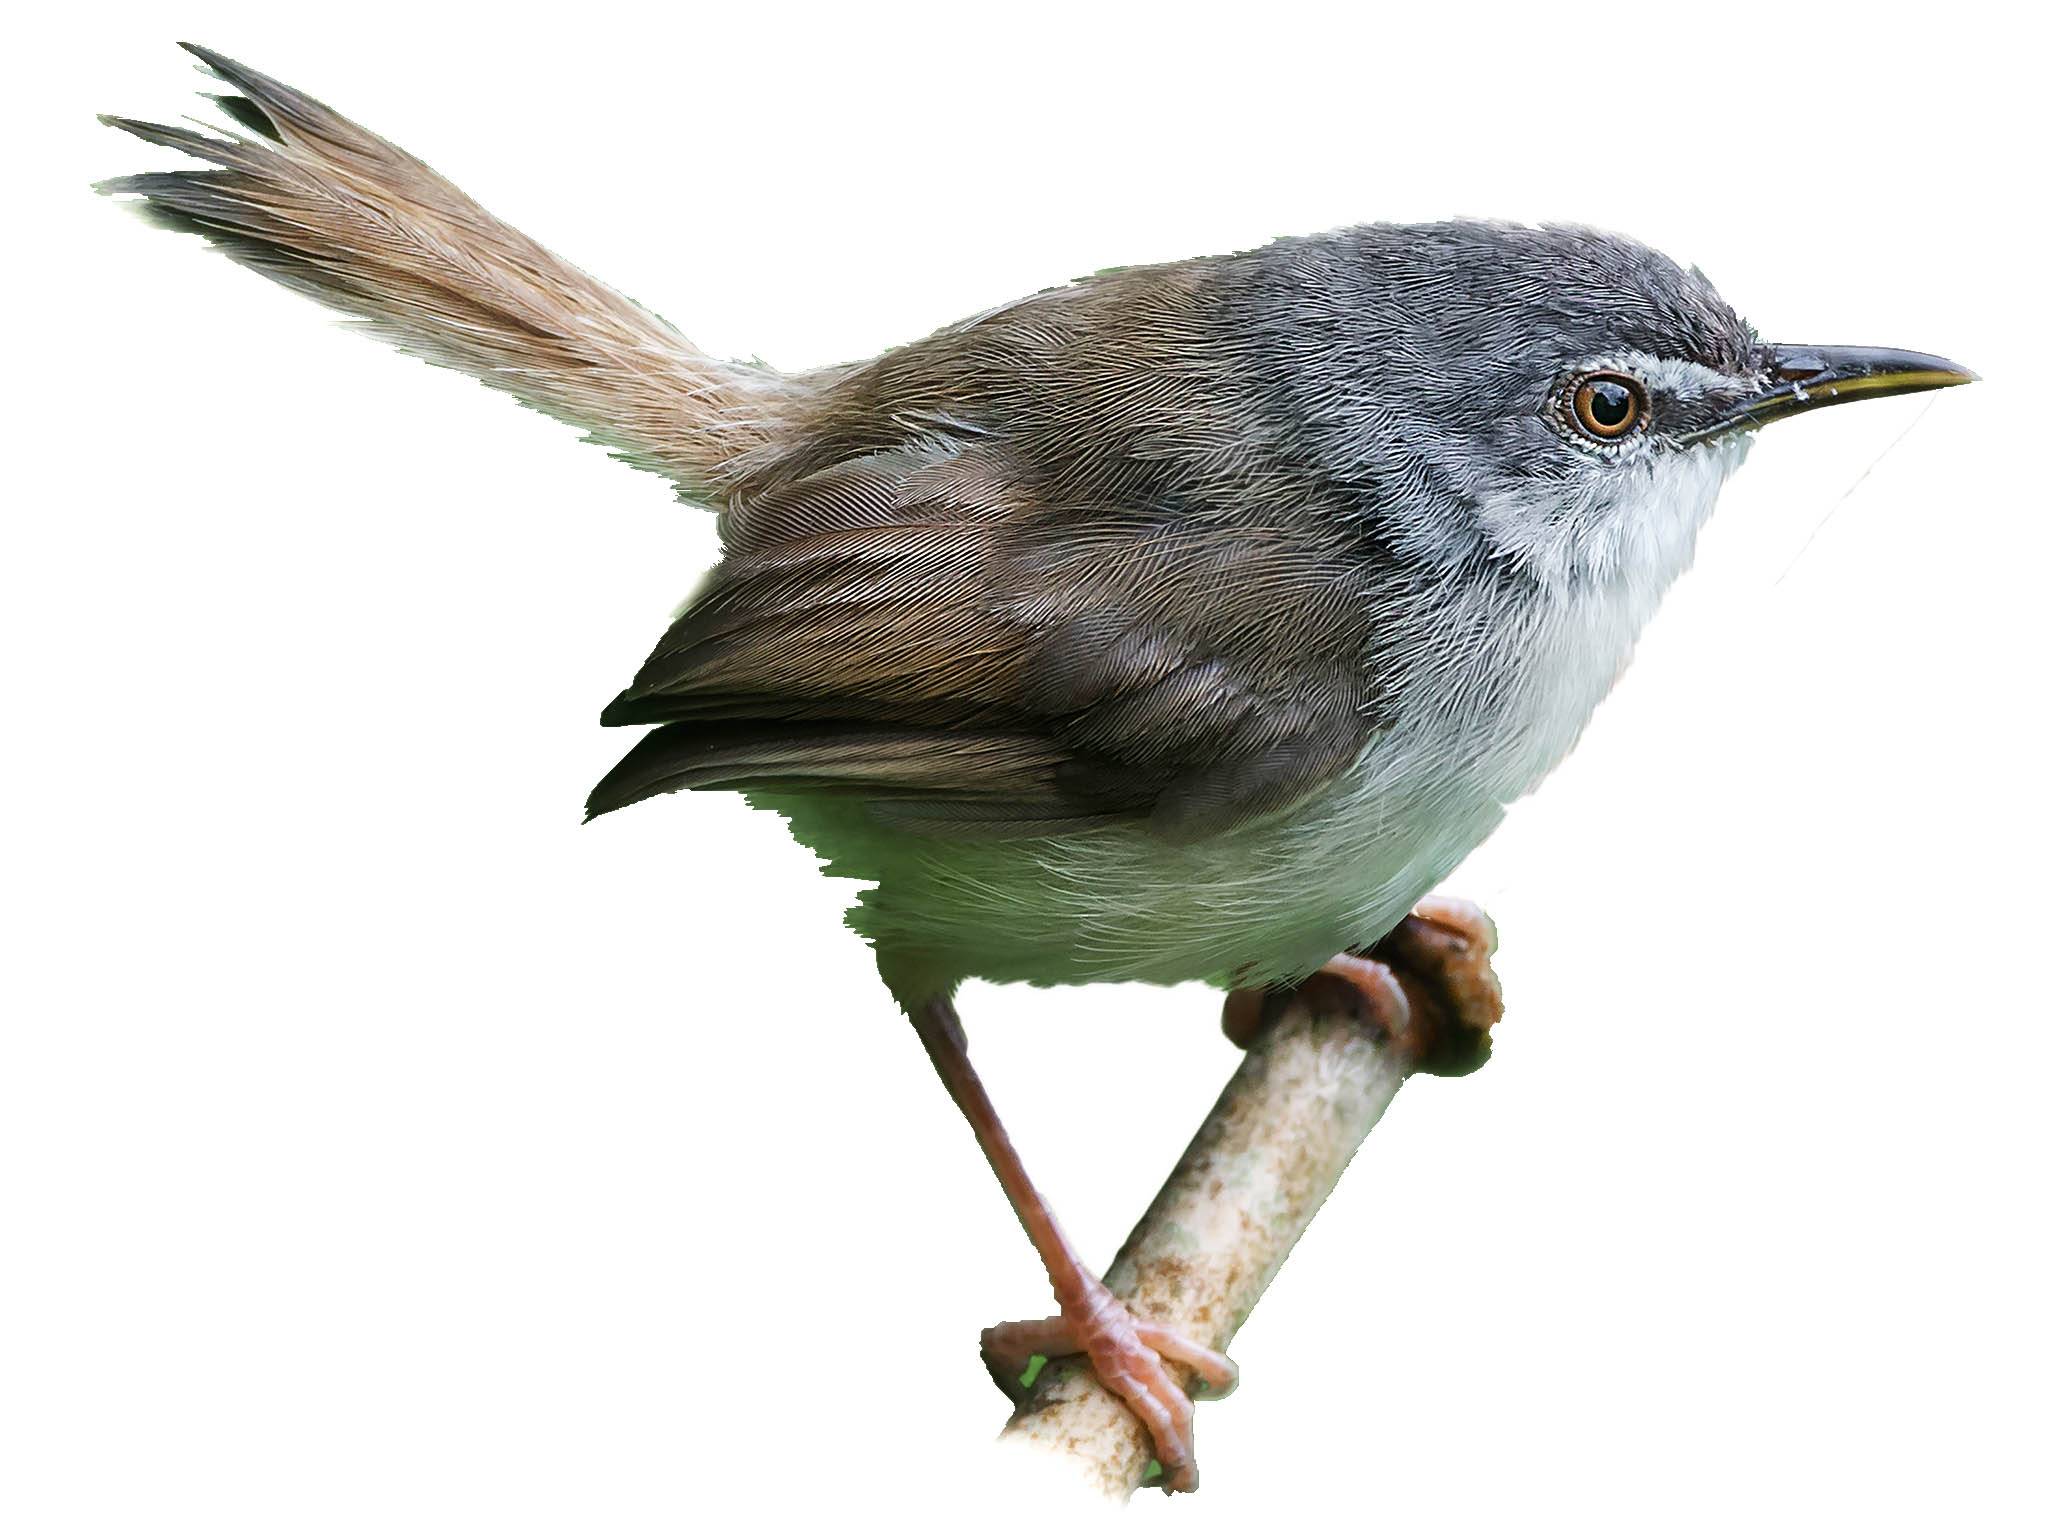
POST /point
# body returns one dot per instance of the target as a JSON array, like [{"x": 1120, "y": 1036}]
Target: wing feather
[{"x": 918, "y": 633}]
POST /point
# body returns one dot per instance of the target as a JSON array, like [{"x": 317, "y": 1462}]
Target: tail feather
[{"x": 314, "y": 202}]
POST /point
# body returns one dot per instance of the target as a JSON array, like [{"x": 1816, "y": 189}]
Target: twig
[{"x": 1312, "y": 1085}]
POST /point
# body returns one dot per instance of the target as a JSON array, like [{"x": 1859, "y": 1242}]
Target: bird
[{"x": 1189, "y": 621}]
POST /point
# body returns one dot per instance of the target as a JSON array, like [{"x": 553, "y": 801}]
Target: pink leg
[{"x": 1125, "y": 1353}]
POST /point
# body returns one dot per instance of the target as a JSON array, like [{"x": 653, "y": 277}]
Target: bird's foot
[
  {"x": 1429, "y": 985},
  {"x": 1130, "y": 1358}
]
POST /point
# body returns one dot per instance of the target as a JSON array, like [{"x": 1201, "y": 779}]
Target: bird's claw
[
  {"x": 1429, "y": 985},
  {"x": 1130, "y": 1358}
]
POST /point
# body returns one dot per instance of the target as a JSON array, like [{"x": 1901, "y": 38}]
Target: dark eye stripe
[{"x": 1608, "y": 406}]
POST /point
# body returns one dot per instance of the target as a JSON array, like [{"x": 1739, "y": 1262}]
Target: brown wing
[{"x": 909, "y": 628}]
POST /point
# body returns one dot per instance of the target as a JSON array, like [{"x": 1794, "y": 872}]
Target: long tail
[{"x": 307, "y": 198}]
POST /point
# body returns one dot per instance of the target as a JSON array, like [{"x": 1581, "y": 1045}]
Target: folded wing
[{"x": 911, "y": 630}]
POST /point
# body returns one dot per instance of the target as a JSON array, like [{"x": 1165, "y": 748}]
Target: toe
[
  {"x": 1244, "y": 1015},
  {"x": 1169, "y": 1418},
  {"x": 1217, "y": 1371},
  {"x": 1447, "y": 945},
  {"x": 1138, "y": 1376},
  {"x": 1008, "y": 1350},
  {"x": 1464, "y": 918}
]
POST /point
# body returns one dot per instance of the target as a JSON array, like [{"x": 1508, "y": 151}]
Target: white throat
[{"x": 1600, "y": 567}]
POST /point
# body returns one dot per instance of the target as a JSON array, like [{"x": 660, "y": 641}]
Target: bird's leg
[
  {"x": 1125, "y": 1352},
  {"x": 1428, "y": 984}
]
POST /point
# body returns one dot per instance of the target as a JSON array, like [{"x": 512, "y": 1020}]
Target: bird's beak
[{"x": 1806, "y": 378}]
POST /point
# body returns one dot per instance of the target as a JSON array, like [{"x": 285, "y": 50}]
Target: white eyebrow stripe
[{"x": 1679, "y": 376}]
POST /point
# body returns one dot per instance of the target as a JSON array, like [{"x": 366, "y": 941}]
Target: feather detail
[
  {"x": 998, "y": 774},
  {"x": 324, "y": 207},
  {"x": 1133, "y": 664}
]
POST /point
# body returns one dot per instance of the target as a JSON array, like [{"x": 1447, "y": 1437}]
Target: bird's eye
[{"x": 1608, "y": 406}]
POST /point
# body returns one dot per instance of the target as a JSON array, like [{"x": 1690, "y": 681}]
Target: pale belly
[
  {"x": 1267, "y": 903},
  {"x": 1274, "y": 900}
]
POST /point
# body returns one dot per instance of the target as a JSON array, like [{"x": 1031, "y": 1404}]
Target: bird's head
[{"x": 1566, "y": 401}]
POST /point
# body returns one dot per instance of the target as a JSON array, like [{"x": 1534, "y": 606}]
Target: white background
[{"x": 381, "y": 1150}]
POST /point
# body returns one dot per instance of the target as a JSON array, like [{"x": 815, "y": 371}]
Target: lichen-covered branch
[{"x": 1313, "y": 1083}]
